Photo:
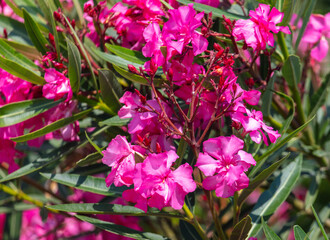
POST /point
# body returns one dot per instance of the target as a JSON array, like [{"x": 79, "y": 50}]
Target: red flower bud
[{"x": 132, "y": 69}]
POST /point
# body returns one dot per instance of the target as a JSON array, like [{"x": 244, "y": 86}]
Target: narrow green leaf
[
  {"x": 319, "y": 224},
  {"x": 13, "y": 225},
  {"x": 84, "y": 53},
  {"x": 20, "y": 71},
  {"x": 314, "y": 229},
  {"x": 267, "y": 97},
  {"x": 13, "y": 113},
  {"x": 270, "y": 234},
  {"x": 94, "y": 145},
  {"x": 291, "y": 113},
  {"x": 216, "y": 12},
  {"x": 127, "y": 54},
  {"x": 86, "y": 183},
  {"x": 115, "y": 121},
  {"x": 15, "y": 29},
  {"x": 34, "y": 32},
  {"x": 20, "y": 206},
  {"x": 121, "y": 230},
  {"x": 110, "y": 89},
  {"x": 10, "y": 53},
  {"x": 51, "y": 158},
  {"x": 313, "y": 190},
  {"x": 136, "y": 78},
  {"x": 309, "y": 7},
  {"x": 27, "y": 50},
  {"x": 15, "y": 9},
  {"x": 51, "y": 127},
  {"x": 288, "y": 6},
  {"x": 292, "y": 71},
  {"x": 89, "y": 159},
  {"x": 258, "y": 180},
  {"x": 241, "y": 229},
  {"x": 319, "y": 98},
  {"x": 74, "y": 68},
  {"x": 299, "y": 234},
  {"x": 278, "y": 191},
  {"x": 188, "y": 231}
]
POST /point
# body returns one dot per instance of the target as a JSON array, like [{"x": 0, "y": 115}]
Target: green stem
[
  {"x": 236, "y": 209},
  {"x": 196, "y": 224},
  {"x": 166, "y": 4}
]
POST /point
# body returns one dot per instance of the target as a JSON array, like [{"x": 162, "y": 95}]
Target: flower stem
[
  {"x": 281, "y": 42},
  {"x": 196, "y": 224}
]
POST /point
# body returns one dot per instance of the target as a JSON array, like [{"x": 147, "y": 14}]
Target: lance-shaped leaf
[
  {"x": 121, "y": 230},
  {"x": 289, "y": 119},
  {"x": 86, "y": 183},
  {"x": 10, "y": 53},
  {"x": 241, "y": 229},
  {"x": 258, "y": 180},
  {"x": 299, "y": 234},
  {"x": 313, "y": 190},
  {"x": 215, "y": 11},
  {"x": 20, "y": 71},
  {"x": 13, "y": 225},
  {"x": 127, "y": 54},
  {"x": 110, "y": 90},
  {"x": 277, "y": 193},
  {"x": 51, "y": 158},
  {"x": 292, "y": 71},
  {"x": 188, "y": 231},
  {"x": 51, "y": 127},
  {"x": 287, "y": 9},
  {"x": 15, "y": 29},
  {"x": 270, "y": 234},
  {"x": 27, "y": 50},
  {"x": 89, "y": 159},
  {"x": 35, "y": 34},
  {"x": 74, "y": 68},
  {"x": 115, "y": 121},
  {"x": 17, "y": 112},
  {"x": 113, "y": 209},
  {"x": 319, "y": 223}
]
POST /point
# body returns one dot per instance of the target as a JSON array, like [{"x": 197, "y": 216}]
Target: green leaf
[
  {"x": 313, "y": 190},
  {"x": 27, "y": 50},
  {"x": 287, "y": 9},
  {"x": 93, "y": 144},
  {"x": 35, "y": 34},
  {"x": 277, "y": 193},
  {"x": 89, "y": 159},
  {"x": 270, "y": 234},
  {"x": 267, "y": 97},
  {"x": 314, "y": 228},
  {"x": 319, "y": 98},
  {"x": 299, "y": 234},
  {"x": 136, "y": 78},
  {"x": 20, "y": 206},
  {"x": 309, "y": 7},
  {"x": 115, "y": 121},
  {"x": 259, "y": 179},
  {"x": 86, "y": 183},
  {"x": 320, "y": 224},
  {"x": 127, "y": 54},
  {"x": 51, "y": 127},
  {"x": 20, "y": 71},
  {"x": 215, "y": 11},
  {"x": 110, "y": 89},
  {"x": 17, "y": 112},
  {"x": 188, "y": 231},
  {"x": 292, "y": 71},
  {"x": 53, "y": 157},
  {"x": 121, "y": 230},
  {"x": 289, "y": 119},
  {"x": 15, "y": 29},
  {"x": 10, "y": 53},
  {"x": 241, "y": 229},
  {"x": 13, "y": 225},
  {"x": 74, "y": 68}
]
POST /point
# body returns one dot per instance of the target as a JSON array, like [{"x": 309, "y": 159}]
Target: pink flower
[
  {"x": 224, "y": 164},
  {"x": 259, "y": 29},
  {"x": 253, "y": 124},
  {"x": 316, "y": 35},
  {"x": 8, "y": 153},
  {"x": 212, "y": 3},
  {"x": 181, "y": 27},
  {"x": 119, "y": 155},
  {"x": 150, "y": 8},
  {"x": 158, "y": 185},
  {"x": 57, "y": 85}
]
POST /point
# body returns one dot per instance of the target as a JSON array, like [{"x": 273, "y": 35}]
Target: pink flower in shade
[
  {"x": 259, "y": 29},
  {"x": 57, "y": 85},
  {"x": 157, "y": 185},
  {"x": 212, "y": 3},
  {"x": 224, "y": 164},
  {"x": 252, "y": 122},
  {"x": 316, "y": 35},
  {"x": 119, "y": 155},
  {"x": 181, "y": 27},
  {"x": 8, "y": 153},
  {"x": 2, "y": 224}
]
